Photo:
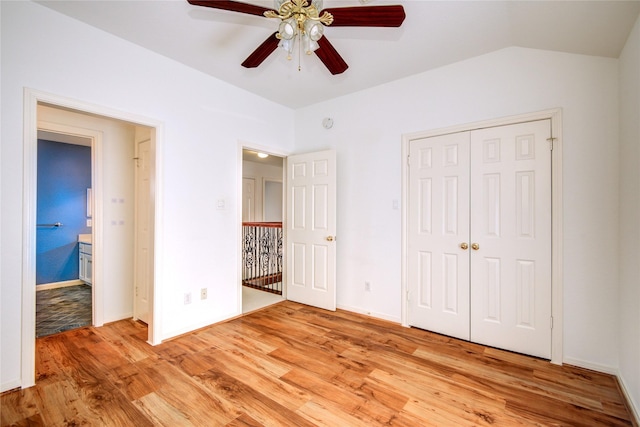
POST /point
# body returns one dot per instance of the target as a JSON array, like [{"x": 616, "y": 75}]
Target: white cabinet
[{"x": 86, "y": 266}]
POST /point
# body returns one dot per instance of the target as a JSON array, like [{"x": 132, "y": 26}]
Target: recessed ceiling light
[{"x": 263, "y": 155}]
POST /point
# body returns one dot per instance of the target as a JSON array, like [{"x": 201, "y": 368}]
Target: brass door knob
[
  {"x": 464, "y": 246},
  {"x": 475, "y": 246},
  {"x": 329, "y": 238}
]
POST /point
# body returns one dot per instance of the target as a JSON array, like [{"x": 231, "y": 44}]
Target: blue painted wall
[{"x": 64, "y": 174}]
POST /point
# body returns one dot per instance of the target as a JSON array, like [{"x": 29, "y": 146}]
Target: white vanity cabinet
[{"x": 86, "y": 266}]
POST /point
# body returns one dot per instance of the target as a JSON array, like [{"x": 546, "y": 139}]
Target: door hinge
[
  {"x": 552, "y": 322},
  {"x": 551, "y": 140},
  {"x": 408, "y": 161}
]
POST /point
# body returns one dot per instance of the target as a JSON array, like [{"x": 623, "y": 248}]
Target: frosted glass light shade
[
  {"x": 314, "y": 30},
  {"x": 287, "y": 29}
]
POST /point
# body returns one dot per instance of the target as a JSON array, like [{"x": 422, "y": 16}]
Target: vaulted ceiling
[{"x": 434, "y": 33}]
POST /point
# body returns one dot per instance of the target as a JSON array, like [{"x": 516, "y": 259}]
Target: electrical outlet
[
  {"x": 203, "y": 293},
  {"x": 187, "y": 298},
  {"x": 367, "y": 286}
]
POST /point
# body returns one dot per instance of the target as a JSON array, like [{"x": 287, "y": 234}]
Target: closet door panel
[
  {"x": 511, "y": 237},
  {"x": 438, "y": 224}
]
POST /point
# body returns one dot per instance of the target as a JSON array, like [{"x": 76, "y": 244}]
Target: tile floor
[
  {"x": 61, "y": 309},
  {"x": 253, "y": 299}
]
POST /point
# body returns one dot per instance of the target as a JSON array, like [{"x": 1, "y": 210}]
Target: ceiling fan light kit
[
  {"x": 300, "y": 21},
  {"x": 303, "y": 22}
]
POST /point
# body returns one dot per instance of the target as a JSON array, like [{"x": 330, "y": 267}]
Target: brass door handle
[
  {"x": 475, "y": 246},
  {"x": 329, "y": 238},
  {"x": 464, "y": 246}
]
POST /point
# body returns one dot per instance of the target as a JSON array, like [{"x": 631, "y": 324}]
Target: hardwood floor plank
[
  {"x": 86, "y": 376},
  {"x": 254, "y": 376},
  {"x": 253, "y": 352},
  {"x": 162, "y": 413},
  {"x": 291, "y": 364},
  {"x": 550, "y": 411},
  {"x": 190, "y": 397},
  {"x": 127, "y": 342},
  {"x": 17, "y": 407},
  {"x": 137, "y": 379},
  {"x": 318, "y": 414},
  {"x": 341, "y": 399},
  {"x": 251, "y": 401},
  {"x": 60, "y": 404},
  {"x": 244, "y": 420},
  {"x": 450, "y": 407},
  {"x": 511, "y": 379}
]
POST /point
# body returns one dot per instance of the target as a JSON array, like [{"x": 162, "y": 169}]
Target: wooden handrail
[{"x": 262, "y": 224}]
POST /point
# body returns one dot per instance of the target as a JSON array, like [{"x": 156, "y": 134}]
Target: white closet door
[
  {"x": 511, "y": 226},
  {"x": 438, "y": 229}
]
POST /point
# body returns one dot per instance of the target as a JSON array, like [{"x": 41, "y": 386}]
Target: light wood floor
[{"x": 290, "y": 364}]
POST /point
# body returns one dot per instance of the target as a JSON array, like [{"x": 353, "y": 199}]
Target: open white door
[
  {"x": 311, "y": 229},
  {"x": 143, "y": 229}
]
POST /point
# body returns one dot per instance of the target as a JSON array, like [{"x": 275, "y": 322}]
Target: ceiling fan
[{"x": 303, "y": 21}]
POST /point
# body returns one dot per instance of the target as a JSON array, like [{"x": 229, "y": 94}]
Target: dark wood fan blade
[
  {"x": 330, "y": 57},
  {"x": 262, "y": 52},
  {"x": 234, "y": 6},
  {"x": 367, "y": 16}
]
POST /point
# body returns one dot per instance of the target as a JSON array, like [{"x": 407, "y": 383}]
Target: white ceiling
[{"x": 435, "y": 33}]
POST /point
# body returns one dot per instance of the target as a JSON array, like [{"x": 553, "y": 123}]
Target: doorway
[
  {"x": 64, "y": 295},
  {"x": 261, "y": 244},
  {"x": 309, "y": 227},
  {"x": 106, "y": 128}
]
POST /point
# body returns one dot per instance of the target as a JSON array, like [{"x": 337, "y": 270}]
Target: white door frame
[
  {"x": 243, "y": 145},
  {"x": 555, "y": 115},
  {"x": 97, "y": 291},
  {"x": 29, "y": 206}
]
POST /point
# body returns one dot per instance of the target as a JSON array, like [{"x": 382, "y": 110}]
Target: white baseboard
[
  {"x": 633, "y": 406},
  {"x": 10, "y": 385},
  {"x": 117, "y": 317},
  {"x": 194, "y": 327},
  {"x": 56, "y": 285},
  {"x": 605, "y": 369},
  {"x": 380, "y": 316}
]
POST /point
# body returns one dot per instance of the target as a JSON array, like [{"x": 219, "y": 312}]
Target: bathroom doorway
[{"x": 64, "y": 296}]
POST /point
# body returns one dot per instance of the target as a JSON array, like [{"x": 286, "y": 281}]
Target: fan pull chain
[{"x": 299, "y": 52}]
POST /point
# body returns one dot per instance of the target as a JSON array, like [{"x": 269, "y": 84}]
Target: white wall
[
  {"x": 118, "y": 204},
  {"x": 203, "y": 120},
  {"x": 260, "y": 173},
  {"x": 367, "y": 136},
  {"x": 629, "y": 344}
]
